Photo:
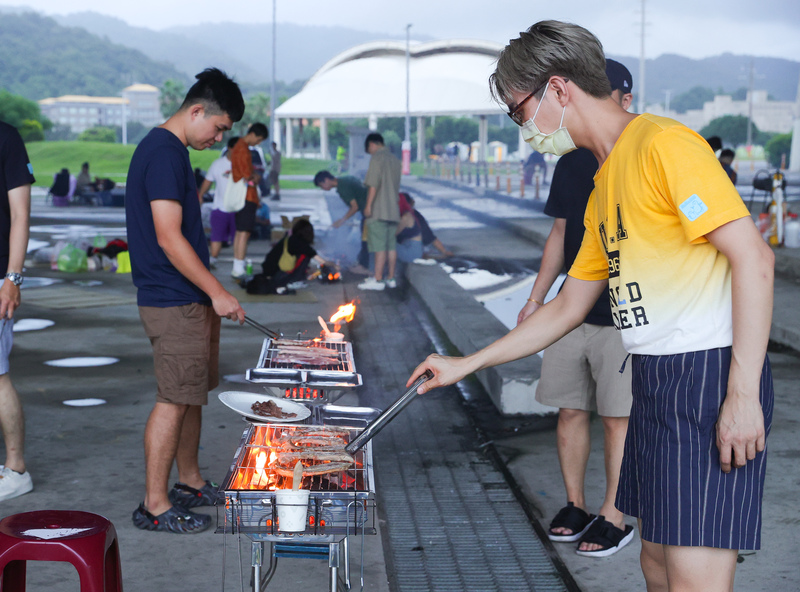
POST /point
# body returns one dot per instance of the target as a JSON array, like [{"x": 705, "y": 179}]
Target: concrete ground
[{"x": 90, "y": 458}]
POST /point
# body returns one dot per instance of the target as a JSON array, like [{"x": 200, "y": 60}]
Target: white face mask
[{"x": 558, "y": 142}]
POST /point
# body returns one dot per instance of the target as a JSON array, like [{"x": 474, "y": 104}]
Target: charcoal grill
[
  {"x": 310, "y": 383},
  {"x": 341, "y": 504}
]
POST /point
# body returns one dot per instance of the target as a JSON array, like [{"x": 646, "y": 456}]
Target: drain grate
[{"x": 452, "y": 521}]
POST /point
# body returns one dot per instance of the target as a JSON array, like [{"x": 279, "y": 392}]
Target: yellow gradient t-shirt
[{"x": 660, "y": 191}]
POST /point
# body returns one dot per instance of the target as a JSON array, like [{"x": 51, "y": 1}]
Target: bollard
[
  {"x": 536, "y": 185},
  {"x": 508, "y": 185},
  {"x": 498, "y": 183}
]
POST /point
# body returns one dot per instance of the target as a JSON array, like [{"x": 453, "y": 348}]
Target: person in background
[
  {"x": 242, "y": 168},
  {"x": 180, "y": 301},
  {"x": 223, "y": 224},
  {"x": 428, "y": 238},
  {"x": 275, "y": 172},
  {"x": 716, "y": 144},
  {"x": 16, "y": 178},
  {"x": 382, "y": 212},
  {"x": 581, "y": 371},
  {"x": 63, "y": 188},
  {"x": 726, "y": 157},
  {"x": 690, "y": 280},
  {"x": 409, "y": 232},
  {"x": 83, "y": 184},
  {"x": 354, "y": 194},
  {"x": 288, "y": 260}
]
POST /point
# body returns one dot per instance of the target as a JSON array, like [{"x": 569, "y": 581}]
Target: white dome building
[{"x": 446, "y": 78}]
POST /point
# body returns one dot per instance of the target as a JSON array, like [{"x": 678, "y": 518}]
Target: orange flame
[{"x": 345, "y": 313}]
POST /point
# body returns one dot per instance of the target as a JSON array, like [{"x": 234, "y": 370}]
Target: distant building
[
  {"x": 139, "y": 102},
  {"x": 768, "y": 116}
]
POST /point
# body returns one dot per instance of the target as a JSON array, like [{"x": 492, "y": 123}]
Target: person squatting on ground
[
  {"x": 690, "y": 283},
  {"x": 287, "y": 262},
  {"x": 180, "y": 301},
  {"x": 16, "y": 178},
  {"x": 223, "y": 224},
  {"x": 409, "y": 231},
  {"x": 581, "y": 371},
  {"x": 354, "y": 195},
  {"x": 242, "y": 168},
  {"x": 382, "y": 213}
]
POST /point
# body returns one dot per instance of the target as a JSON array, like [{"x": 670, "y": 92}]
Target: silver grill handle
[{"x": 384, "y": 418}]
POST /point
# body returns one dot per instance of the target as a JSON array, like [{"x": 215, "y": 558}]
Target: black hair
[
  {"x": 232, "y": 142},
  {"x": 259, "y": 129},
  {"x": 85, "y": 165},
  {"x": 715, "y": 142},
  {"x": 218, "y": 94},
  {"x": 304, "y": 230},
  {"x": 374, "y": 138},
  {"x": 727, "y": 152},
  {"x": 321, "y": 177}
]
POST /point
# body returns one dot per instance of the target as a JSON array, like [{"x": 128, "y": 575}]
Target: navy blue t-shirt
[
  {"x": 160, "y": 169},
  {"x": 572, "y": 184},
  {"x": 15, "y": 171}
]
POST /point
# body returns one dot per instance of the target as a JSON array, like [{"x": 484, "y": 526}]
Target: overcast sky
[{"x": 693, "y": 28}]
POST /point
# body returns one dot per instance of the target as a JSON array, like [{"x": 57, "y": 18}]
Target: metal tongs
[
  {"x": 384, "y": 418},
  {"x": 262, "y": 328}
]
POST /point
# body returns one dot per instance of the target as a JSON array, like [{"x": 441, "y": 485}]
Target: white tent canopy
[{"x": 369, "y": 80}]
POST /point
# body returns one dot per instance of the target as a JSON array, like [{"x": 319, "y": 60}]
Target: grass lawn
[{"x": 112, "y": 161}]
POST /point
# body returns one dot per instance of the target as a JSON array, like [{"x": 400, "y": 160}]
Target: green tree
[
  {"x": 256, "y": 110},
  {"x": 16, "y": 110},
  {"x": 777, "y": 146},
  {"x": 337, "y": 135},
  {"x": 692, "y": 99},
  {"x": 98, "y": 134},
  {"x": 732, "y": 129},
  {"x": 172, "y": 94},
  {"x": 452, "y": 129},
  {"x": 31, "y": 131}
]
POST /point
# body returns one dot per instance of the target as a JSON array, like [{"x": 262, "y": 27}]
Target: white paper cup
[
  {"x": 334, "y": 336},
  {"x": 292, "y": 509}
]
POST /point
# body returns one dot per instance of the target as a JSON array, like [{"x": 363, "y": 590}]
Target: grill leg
[
  {"x": 333, "y": 564},
  {"x": 346, "y": 552},
  {"x": 257, "y": 560}
]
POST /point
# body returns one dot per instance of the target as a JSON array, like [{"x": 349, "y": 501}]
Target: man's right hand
[
  {"x": 338, "y": 223},
  {"x": 527, "y": 310},
  {"x": 226, "y": 305}
]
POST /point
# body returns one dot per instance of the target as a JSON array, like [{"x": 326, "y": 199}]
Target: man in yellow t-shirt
[{"x": 690, "y": 283}]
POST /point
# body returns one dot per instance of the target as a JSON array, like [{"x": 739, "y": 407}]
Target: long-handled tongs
[{"x": 262, "y": 328}]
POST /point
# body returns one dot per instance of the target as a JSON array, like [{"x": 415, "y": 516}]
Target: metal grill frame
[
  {"x": 283, "y": 375},
  {"x": 253, "y": 511}
]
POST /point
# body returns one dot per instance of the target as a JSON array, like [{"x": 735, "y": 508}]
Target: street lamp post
[
  {"x": 407, "y": 140},
  {"x": 276, "y": 127}
]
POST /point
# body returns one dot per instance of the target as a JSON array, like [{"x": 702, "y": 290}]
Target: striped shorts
[{"x": 671, "y": 477}]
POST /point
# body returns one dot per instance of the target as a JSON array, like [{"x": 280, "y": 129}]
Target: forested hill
[{"x": 39, "y": 58}]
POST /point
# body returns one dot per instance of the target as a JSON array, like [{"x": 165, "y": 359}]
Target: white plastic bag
[{"x": 235, "y": 195}]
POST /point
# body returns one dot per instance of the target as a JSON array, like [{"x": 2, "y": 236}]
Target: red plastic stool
[{"x": 87, "y": 541}]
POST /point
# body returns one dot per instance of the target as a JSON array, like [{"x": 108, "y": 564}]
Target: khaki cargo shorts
[
  {"x": 185, "y": 342},
  {"x": 581, "y": 371},
  {"x": 381, "y": 235}
]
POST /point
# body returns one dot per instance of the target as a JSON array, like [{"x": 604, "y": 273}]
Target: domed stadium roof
[{"x": 447, "y": 78}]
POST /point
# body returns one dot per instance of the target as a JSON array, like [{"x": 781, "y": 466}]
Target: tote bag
[
  {"x": 287, "y": 261},
  {"x": 235, "y": 195}
]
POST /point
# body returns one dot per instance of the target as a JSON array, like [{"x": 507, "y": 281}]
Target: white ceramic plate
[{"x": 242, "y": 403}]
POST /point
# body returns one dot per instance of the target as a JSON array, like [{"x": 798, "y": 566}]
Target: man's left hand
[
  {"x": 9, "y": 299},
  {"x": 740, "y": 430}
]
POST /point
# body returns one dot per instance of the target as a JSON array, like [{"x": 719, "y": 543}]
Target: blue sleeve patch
[
  {"x": 30, "y": 168},
  {"x": 693, "y": 208}
]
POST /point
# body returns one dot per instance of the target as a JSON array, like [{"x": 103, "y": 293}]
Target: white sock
[
  {"x": 212, "y": 260},
  {"x": 238, "y": 266}
]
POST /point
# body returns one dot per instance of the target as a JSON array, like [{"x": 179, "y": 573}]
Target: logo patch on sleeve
[
  {"x": 30, "y": 168},
  {"x": 693, "y": 208}
]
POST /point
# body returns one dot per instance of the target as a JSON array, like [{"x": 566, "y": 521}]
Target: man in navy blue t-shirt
[
  {"x": 180, "y": 301},
  {"x": 16, "y": 177}
]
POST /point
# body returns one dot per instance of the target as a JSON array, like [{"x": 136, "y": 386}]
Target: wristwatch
[{"x": 16, "y": 278}]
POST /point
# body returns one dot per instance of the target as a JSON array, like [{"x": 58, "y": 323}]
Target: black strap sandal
[
  {"x": 575, "y": 519},
  {"x": 610, "y": 538},
  {"x": 176, "y": 520},
  {"x": 188, "y": 497}
]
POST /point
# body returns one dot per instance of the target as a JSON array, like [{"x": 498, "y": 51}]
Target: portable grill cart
[{"x": 341, "y": 504}]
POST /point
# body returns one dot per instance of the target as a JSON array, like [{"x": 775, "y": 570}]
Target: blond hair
[{"x": 546, "y": 49}]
